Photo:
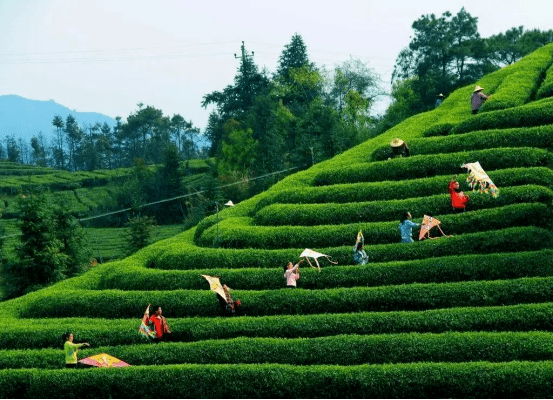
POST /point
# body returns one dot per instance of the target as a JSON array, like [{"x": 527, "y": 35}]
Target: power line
[
  {"x": 128, "y": 58},
  {"x": 172, "y": 198},
  {"x": 187, "y": 195},
  {"x": 130, "y": 49}
]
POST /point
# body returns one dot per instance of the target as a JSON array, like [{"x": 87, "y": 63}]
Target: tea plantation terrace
[{"x": 464, "y": 316}]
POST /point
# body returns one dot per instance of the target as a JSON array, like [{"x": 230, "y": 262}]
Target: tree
[
  {"x": 118, "y": 140},
  {"x": 38, "y": 155},
  {"x": 139, "y": 232},
  {"x": 40, "y": 260},
  {"x": 239, "y": 151},
  {"x": 142, "y": 124},
  {"x": 74, "y": 137},
  {"x": 214, "y": 133},
  {"x": 58, "y": 140},
  {"x": 12, "y": 149},
  {"x": 104, "y": 146},
  {"x": 293, "y": 56},
  {"x": 509, "y": 47},
  {"x": 406, "y": 102},
  {"x": 166, "y": 183},
  {"x": 178, "y": 125},
  {"x": 73, "y": 241},
  {"x": 235, "y": 100},
  {"x": 464, "y": 36},
  {"x": 351, "y": 75},
  {"x": 439, "y": 54}
]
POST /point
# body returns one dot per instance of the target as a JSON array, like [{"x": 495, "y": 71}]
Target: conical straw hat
[
  {"x": 477, "y": 88},
  {"x": 396, "y": 142}
]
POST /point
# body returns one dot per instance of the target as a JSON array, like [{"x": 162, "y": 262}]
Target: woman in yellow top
[{"x": 71, "y": 350}]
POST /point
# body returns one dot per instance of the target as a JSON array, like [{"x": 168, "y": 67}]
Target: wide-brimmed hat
[
  {"x": 440, "y": 95},
  {"x": 396, "y": 142},
  {"x": 477, "y": 89}
]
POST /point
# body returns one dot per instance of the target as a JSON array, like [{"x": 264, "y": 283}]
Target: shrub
[
  {"x": 431, "y": 165},
  {"x": 423, "y": 380},
  {"x": 437, "y": 130},
  {"x": 183, "y": 303},
  {"x": 533, "y": 114},
  {"x": 541, "y": 136},
  {"x": 388, "y": 190},
  {"x": 374, "y": 211},
  {"x": 546, "y": 88},
  {"x": 41, "y": 333},
  {"x": 437, "y": 269},
  {"x": 511, "y": 239},
  {"x": 238, "y": 233},
  {"x": 518, "y": 87},
  {"x": 338, "y": 350}
]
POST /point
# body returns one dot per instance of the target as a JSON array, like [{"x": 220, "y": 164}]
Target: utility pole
[{"x": 244, "y": 55}]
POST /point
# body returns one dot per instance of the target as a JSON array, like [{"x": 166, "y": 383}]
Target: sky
[{"x": 107, "y": 56}]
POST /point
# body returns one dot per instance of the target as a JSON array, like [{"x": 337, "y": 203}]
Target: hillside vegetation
[{"x": 464, "y": 316}]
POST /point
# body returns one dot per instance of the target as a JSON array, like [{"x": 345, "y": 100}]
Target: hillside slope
[{"x": 462, "y": 316}]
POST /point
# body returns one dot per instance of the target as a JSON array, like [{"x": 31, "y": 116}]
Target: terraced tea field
[{"x": 464, "y": 316}]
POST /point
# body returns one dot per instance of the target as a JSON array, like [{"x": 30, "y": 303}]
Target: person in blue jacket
[{"x": 406, "y": 228}]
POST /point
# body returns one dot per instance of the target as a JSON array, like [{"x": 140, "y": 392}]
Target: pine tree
[
  {"x": 294, "y": 55},
  {"x": 40, "y": 260}
]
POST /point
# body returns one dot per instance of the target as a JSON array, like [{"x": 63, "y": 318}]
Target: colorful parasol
[
  {"x": 144, "y": 328},
  {"x": 313, "y": 254},
  {"x": 428, "y": 223},
  {"x": 104, "y": 361},
  {"x": 478, "y": 177}
]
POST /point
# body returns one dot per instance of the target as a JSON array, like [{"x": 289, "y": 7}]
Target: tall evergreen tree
[
  {"x": 40, "y": 260},
  {"x": 293, "y": 56},
  {"x": 72, "y": 239},
  {"x": 235, "y": 100}
]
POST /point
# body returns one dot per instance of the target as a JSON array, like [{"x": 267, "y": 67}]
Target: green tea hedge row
[
  {"x": 541, "y": 136},
  {"x": 450, "y": 347},
  {"x": 517, "y": 88},
  {"x": 21, "y": 172},
  {"x": 431, "y": 165},
  {"x": 439, "y": 269},
  {"x": 43, "y": 332},
  {"x": 389, "y": 190},
  {"x": 533, "y": 114},
  {"x": 188, "y": 303},
  {"x": 372, "y": 211},
  {"x": 62, "y": 180},
  {"x": 506, "y": 240},
  {"x": 546, "y": 88},
  {"x": 440, "y": 129},
  {"x": 420, "y": 380},
  {"x": 238, "y": 233}
]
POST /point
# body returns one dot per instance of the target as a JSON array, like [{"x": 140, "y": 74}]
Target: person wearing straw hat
[
  {"x": 399, "y": 148},
  {"x": 439, "y": 100},
  {"x": 478, "y": 98}
]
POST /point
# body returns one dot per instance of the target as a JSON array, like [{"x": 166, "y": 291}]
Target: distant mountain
[{"x": 24, "y": 118}]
